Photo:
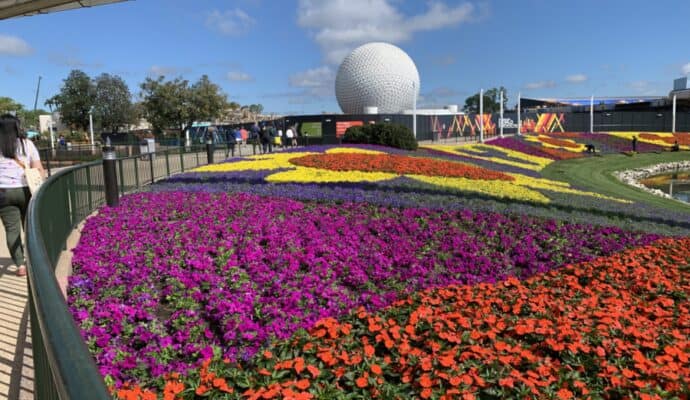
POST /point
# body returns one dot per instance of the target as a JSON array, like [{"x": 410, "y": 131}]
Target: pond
[{"x": 677, "y": 184}]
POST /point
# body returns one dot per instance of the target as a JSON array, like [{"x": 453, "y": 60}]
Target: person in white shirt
[
  {"x": 16, "y": 153},
  {"x": 290, "y": 137}
]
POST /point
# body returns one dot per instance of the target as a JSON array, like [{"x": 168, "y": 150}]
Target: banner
[{"x": 341, "y": 127}]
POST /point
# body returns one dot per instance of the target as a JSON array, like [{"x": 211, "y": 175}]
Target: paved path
[{"x": 16, "y": 359}]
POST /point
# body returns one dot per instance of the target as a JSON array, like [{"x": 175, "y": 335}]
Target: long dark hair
[{"x": 10, "y": 131}]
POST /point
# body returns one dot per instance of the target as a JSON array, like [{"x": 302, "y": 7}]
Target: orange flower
[
  {"x": 376, "y": 369},
  {"x": 302, "y": 384}
]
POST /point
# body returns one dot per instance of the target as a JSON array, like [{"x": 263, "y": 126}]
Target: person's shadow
[{"x": 16, "y": 370}]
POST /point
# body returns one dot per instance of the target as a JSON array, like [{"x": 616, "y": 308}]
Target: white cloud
[
  {"x": 577, "y": 78},
  {"x": 237, "y": 76},
  {"x": 14, "y": 46},
  {"x": 540, "y": 85},
  {"x": 644, "y": 88},
  {"x": 338, "y": 26},
  {"x": 313, "y": 83},
  {"x": 158, "y": 70},
  {"x": 231, "y": 22},
  {"x": 686, "y": 69},
  {"x": 313, "y": 78}
]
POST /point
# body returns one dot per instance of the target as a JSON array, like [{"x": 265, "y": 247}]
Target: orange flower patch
[
  {"x": 558, "y": 154},
  {"x": 683, "y": 139},
  {"x": 398, "y": 164},
  {"x": 617, "y": 326}
]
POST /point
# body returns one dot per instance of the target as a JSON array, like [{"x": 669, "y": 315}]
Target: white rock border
[{"x": 632, "y": 177}]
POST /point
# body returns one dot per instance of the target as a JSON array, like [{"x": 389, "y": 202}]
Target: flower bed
[
  {"x": 159, "y": 286},
  {"x": 612, "y": 327},
  {"x": 397, "y": 164}
]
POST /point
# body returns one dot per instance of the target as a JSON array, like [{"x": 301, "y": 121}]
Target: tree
[
  {"x": 113, "y": 103},
  {"x": 207, "y": 101},
  {"x": 75, "y": 99},
  {"x": 8, "y": 105},
  {"x": 256, "y": 108},
  {"x": 491, "y": 101},
  {"x": 176, "y": 105},
  {"x": 164, "y": 102}
]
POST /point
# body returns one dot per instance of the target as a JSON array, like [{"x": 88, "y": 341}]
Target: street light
[
  {"x": 414, "y": 110},
  {"x": 91, "y": 127}
]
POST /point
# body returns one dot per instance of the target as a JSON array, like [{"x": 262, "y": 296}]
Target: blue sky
[{"x": 284, "y": 53}]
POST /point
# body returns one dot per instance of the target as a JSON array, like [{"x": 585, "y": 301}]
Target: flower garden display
[{"x": 327, "y": 272}]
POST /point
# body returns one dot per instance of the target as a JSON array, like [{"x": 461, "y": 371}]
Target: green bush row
[{"x": 392, "y": 135}]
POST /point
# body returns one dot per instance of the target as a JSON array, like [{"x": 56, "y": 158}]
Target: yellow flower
[
  {"x": 522, "y": 188},
  {"x": 299, "y": 174},
  {"x": 532, "y": 163}
]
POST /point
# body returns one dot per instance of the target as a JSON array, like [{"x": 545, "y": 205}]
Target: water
[{"x": 676, "y": 183}]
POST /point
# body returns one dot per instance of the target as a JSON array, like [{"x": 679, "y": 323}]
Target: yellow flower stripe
[
  {"x": 272, "y": 161},
  {"x": 629, "y": 136},
  {"x": 522, "y": 188},
  {"x": 255, "y": 163},
  {"x": 470, "y": 150},
  {"x": 315, "y": 175},
  {"x": 501, "y": 189},
  {"x": 537, "y": 139},
  {"x": 352, "y": 150},
  {"x": 557, "y": 186}
]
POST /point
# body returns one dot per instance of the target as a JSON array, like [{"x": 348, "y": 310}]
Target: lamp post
[
  {"x": 519, "y": 117},
  {"x": 481, "y": 115},
  {"x": 500, "y": 121},
  {"x": 414, "y": 109},
  {"x": 93, "y": 145},
  {"x": 591, "y": 114},
  {"x": 673, "y": 127}
]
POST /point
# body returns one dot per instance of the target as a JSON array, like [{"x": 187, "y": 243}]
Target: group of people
[
  {"x": 268, "y": 136},
  {"x": 17, "y": 153}
]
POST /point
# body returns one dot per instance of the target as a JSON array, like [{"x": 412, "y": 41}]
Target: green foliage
[
  {"x": 8, "y": 105},
  {"x": 256, "y": 108},
  {"x": 392, "y": 135},
  {"x": 491, "y": 101},
  {"x": 75, "y": 99},
  {"x": 113, "y": 108},
  {"x": 176, "y": 105}
]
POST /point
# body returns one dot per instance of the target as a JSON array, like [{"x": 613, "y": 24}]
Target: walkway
[{"x": 16, "y": 359}]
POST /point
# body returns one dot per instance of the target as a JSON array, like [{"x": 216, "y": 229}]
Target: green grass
[{"x": 596, "y": 174}]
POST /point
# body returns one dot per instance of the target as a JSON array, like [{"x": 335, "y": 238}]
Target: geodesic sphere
[{"x": 377, "y": 75}]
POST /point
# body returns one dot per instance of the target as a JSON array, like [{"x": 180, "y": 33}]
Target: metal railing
[{"x": 63, "y": 366}]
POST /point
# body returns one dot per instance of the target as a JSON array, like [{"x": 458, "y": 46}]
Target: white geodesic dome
[{"x": 377, "y": 75}]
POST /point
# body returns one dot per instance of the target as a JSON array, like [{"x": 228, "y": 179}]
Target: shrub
[{"x": 392, "y": 135}]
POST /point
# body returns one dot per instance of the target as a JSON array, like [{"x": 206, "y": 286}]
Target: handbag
[{"x": 33, "y": 176}]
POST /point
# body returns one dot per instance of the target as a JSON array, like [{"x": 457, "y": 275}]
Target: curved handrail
[
  {"x": 75, "y": 375},
  {"x": 63, "y": 365}
]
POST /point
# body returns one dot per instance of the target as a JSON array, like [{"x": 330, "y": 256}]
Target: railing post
[
  {"x": 136, "y": 172},
  {"x": 182, "y": 154},
  {"x": 151, "y": 168},
  {"x": 209, "y": 150},
  {"x": 167, "y": 164},
  {"x": 110, "y": 176}
]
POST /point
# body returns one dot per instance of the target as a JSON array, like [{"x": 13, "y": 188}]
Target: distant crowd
[{"x": 264, "y": 137}]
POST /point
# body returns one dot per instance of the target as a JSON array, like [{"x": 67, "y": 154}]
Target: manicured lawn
[{"x": 596, "y": 174}]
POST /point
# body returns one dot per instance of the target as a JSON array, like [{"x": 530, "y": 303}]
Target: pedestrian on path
[{"x": 17, "y": 152}]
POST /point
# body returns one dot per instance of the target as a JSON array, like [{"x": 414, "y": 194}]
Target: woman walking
[{"x": 16, "y": 152}]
